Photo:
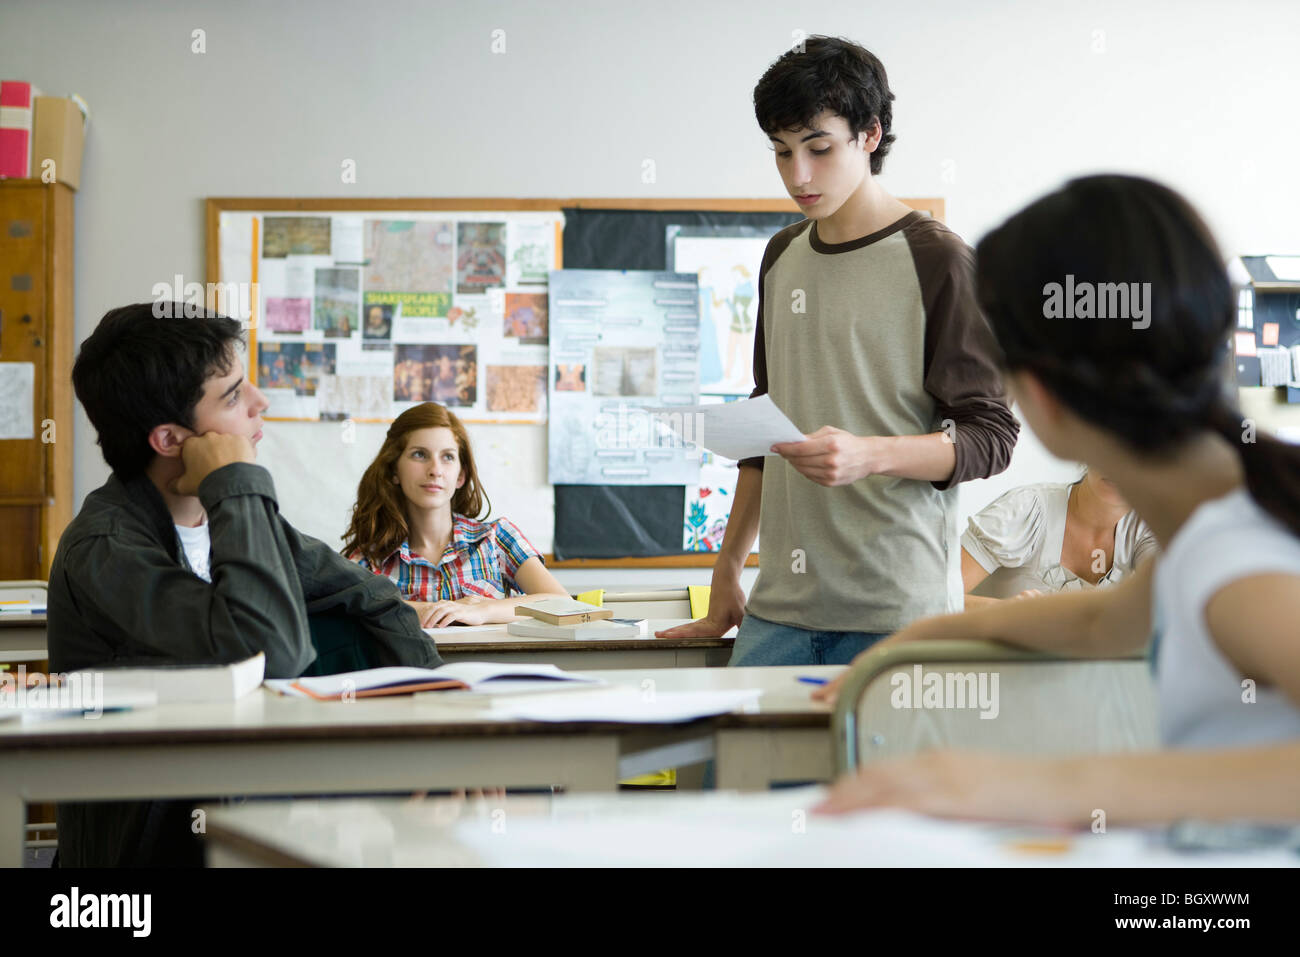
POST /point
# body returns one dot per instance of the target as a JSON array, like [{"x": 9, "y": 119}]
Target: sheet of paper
[
  {"x": 1284, "y": 267},
  {"x": 346, "y": 240},
  {"x": 631, "y": 705},
  {"x": 727, "y": 830},
  {"x": 737, "y": 430},
  {"x": 461, "y": 629},
  {"x": 17, "y": 391}
]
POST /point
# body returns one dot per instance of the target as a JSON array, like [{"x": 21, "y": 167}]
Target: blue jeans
[{"x": 763, "y": 642}]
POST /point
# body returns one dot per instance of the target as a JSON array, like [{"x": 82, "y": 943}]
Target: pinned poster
[{"x": 17, "y": 400}]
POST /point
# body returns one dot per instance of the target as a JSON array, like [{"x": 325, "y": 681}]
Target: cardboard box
[{"x": 59, "y": 133}]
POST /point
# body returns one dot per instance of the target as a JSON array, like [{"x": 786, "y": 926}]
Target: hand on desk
[
  {"x": 726, "y": 609},
  {"x": 962, "y": 785},
  {"x": 472, "y": 610}
]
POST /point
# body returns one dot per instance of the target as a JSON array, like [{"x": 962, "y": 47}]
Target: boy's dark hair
[
  {"x": 137, "y": 371},
  {"x": 828, "y": 74}
]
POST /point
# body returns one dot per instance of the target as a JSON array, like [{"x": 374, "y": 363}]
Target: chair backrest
[
  {"x": 983, "y": 696},
  {"x": 341, "y": 643},
  {"x": 668, "y": 603},
  {"x": 24, "y": 590}
]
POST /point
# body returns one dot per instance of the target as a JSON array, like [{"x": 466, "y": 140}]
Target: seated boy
[{"x": 182, "y": 555}]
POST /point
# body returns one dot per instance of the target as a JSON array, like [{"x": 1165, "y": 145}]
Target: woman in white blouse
[{"x": 1052, "y": 537}]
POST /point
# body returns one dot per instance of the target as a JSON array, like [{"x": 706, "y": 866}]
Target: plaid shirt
[{"x": 481, "y": 559}]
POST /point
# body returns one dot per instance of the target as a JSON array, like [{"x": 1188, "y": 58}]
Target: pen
[{"x": 812, "y": 681}]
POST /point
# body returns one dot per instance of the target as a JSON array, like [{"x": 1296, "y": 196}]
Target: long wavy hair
[
  {"x": 1153, "y": 386},
  {"x": 379, "y": 523}
]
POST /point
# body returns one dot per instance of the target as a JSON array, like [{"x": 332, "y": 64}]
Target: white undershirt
[{"x": 198, "y": 548}]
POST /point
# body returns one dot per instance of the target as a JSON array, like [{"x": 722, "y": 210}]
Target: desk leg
[
  {"x": 742, "y": 761},
  {"x": 13, "y": 828},
  {"x": 589, "y": 764},
  {"x": 751, "y": 760}
]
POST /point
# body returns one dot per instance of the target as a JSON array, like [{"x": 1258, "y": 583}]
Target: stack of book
[{"x": 565, "y": 618}]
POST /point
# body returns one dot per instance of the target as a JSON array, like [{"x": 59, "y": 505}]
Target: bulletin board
[{"x": 342, "y": 340}]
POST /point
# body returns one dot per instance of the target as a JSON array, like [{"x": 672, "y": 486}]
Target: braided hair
[{"x": 1153, "y": 380}]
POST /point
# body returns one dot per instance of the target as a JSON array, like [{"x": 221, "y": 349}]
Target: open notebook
[{"x": 463, "y": 675}]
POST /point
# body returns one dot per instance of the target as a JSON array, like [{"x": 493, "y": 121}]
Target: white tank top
[{"x": 1199, "y": 690}]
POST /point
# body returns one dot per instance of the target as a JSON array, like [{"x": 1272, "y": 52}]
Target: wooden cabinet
[{"x": 36, "y": 327}]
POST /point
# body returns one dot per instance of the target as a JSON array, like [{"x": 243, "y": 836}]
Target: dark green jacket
[{"x": 121, "y": 594}]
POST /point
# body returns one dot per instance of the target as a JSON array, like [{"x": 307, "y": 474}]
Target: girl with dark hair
[
  {"x": 416, "y": 521},
  {"x": 1126, "y": 373}
]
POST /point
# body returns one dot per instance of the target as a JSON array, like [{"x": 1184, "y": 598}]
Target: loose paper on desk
[
  {"x": 736, "y": 430},
  {"x": 630, "y": 705}
]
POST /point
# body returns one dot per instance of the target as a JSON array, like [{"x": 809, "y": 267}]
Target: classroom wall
[{"x": 996, "y": 103}]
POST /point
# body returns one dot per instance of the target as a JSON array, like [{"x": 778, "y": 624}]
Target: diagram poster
[{"x": 621, "y": 342}]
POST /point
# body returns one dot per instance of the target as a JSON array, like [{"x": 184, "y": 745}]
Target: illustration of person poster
[
  {"x": 726, "y": 260},
  {"x": 378, "y": 325}
]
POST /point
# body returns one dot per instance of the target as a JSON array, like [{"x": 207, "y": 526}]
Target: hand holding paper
[{"x": 737, "y": 430}]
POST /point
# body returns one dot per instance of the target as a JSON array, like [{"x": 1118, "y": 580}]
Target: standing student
[
  {"x": 416, "y": 521},
  {"x": 1136, "y": 389},
  {"x": 870, "y": 340},
  {"x": 182, "y": 557}
]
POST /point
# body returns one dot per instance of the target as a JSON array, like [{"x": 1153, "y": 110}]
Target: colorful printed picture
[
  {"x": 708, "y": 505},
  {"x": 294, "y": 365},
  {"x": 625, "y": 371},
  {"x": 410, "y": 257},
  {"x": 378, "y": 322},
  {"x": 357, "y": 396},
  {"x": 295, "y": 236},
  {"x": 446, "y": 374},
  {"x": 533, "y": 253},
  {"x": 337, "y": 303},
  {"x": 515, "y": 388},
  {"x": 481, "y": 257},
  {"x": 526, "y": 317},
  {"x": 570, "y": 377},
  {"x": 288, "y": 315}
]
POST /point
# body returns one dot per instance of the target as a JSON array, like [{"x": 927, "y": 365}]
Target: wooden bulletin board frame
[{"x": 216, "y": 205}]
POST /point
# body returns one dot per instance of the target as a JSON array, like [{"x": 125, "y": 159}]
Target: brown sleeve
[
  {"x": 961, "y": 366},
  {"x": 775, "y": 246}
]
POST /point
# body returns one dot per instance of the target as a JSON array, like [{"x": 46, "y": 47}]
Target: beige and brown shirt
[{"x": 878, "y": 336}]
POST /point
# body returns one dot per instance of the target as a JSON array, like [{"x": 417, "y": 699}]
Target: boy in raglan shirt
[{"x": 870, "y": 340}]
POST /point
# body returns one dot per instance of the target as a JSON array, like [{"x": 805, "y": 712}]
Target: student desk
[
  {"x": 717, "y": 829},
  {"x": 22, "y": 638},
  {"x": 264, "y": 744},
  {"x": 573, "y": 655}
]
